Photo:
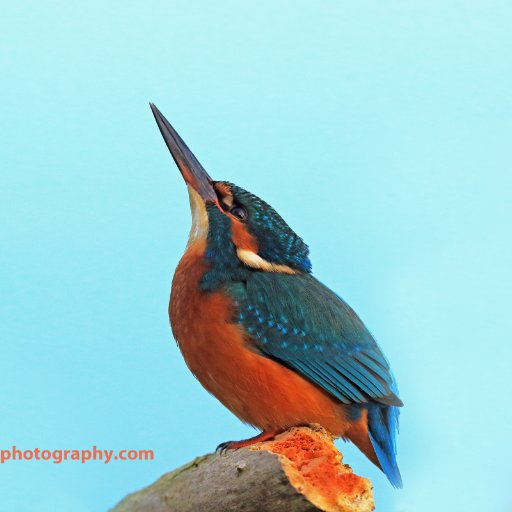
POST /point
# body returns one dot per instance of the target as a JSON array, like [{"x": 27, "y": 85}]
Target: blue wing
[{"x": 297, "y": 321}]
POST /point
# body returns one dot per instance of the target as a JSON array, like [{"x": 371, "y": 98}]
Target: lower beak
[{"x": 192, "y": 171}]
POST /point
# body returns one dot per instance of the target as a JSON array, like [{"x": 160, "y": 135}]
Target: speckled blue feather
[{"x": 277, "y": 242}]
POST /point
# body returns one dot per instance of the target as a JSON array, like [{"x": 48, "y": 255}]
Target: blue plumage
[
  {"x": 220, "y": 254},
  {"x": 278, "y": 243},
  {"x": 382, "y": 426}
]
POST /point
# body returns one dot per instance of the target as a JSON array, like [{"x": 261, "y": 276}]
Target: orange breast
[{"x": 259, "y": 391}]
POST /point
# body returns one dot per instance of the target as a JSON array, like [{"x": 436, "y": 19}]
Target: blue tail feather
[{"x": 382, "y": 427}]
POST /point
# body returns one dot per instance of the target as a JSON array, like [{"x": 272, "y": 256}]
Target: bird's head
[{"x": 240, "y": 230}]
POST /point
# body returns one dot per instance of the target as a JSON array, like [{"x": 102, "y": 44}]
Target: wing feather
[{"x": 305, "y": 326}]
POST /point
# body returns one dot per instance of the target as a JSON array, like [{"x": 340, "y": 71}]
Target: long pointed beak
[{"x": 192, "y": 171}]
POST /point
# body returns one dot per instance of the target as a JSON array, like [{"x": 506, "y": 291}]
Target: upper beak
[{"x": 191, "y": 170}]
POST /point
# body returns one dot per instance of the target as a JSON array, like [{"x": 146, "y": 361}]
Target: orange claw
[{"x": 235, "y": 445}]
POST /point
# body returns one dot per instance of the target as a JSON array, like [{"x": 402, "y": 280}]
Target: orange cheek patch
[{"x": 242, "y": 238}]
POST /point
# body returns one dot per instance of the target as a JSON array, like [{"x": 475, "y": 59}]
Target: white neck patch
[{"x": 253, "y": 260}]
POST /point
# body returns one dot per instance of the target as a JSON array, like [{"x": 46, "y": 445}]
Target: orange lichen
[{"x": 314, "y": 467}]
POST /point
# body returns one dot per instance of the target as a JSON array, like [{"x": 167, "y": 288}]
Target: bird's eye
[{"x": 239, "y": 212}]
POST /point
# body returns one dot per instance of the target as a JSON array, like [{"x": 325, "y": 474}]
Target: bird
[{"x": 272, "y": 343}]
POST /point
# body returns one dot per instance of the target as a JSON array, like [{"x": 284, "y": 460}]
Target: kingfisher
[{"x": 260, "y": 333}]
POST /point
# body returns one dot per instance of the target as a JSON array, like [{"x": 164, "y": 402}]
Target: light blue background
[{"x": 380, "y": 130}]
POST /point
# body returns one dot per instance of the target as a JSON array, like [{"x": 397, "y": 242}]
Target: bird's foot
[{"x": 235, "y": 445}]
